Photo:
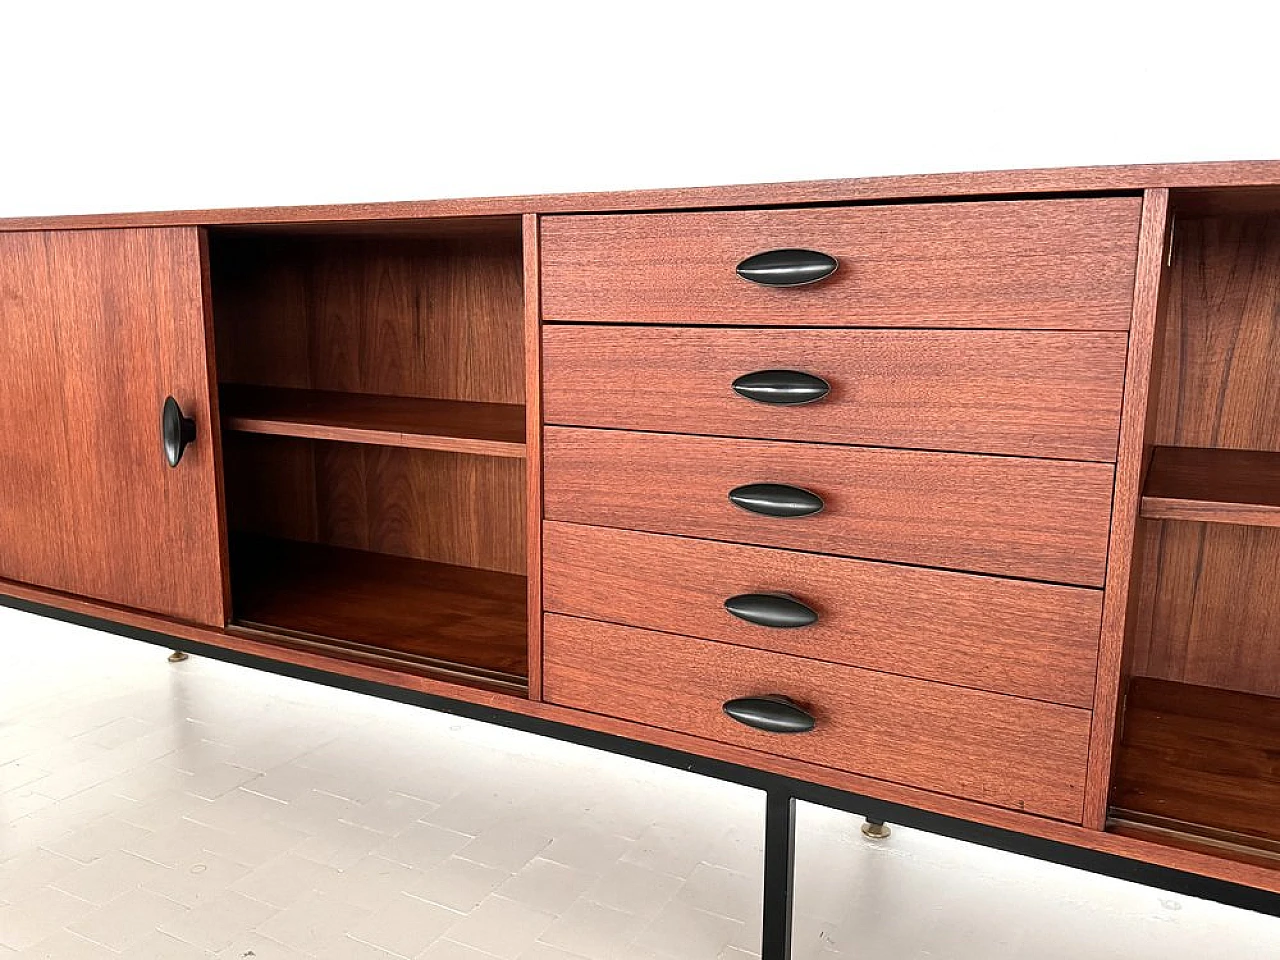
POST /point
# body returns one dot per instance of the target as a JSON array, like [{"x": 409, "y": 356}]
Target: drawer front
[
  {"x": 1008, "y": 636},
  {"x": 1014, "y": 753},
  {"x": 1044, "y": 394},
  {"x": 1036, "y": 519},
  {"x": 1047, "y": 264}
]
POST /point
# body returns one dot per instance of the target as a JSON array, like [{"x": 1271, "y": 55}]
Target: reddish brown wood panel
[
  {"x": 1202, "y": 761},
  {"x": 98, "y": 328},
  {"x": 1022, "y": 393},
  {"x": 1214, "y": 486},
  {"x": 1247, "y": 173},
  {"x": 533, "y": 448},
  {"x": 451, "y": 508},
  {"x": 1021, "y": 754},
  {"x": 1037, "y": 519},
  {"x": 1064, "y": 264},
  {"x": 1191, "y": 860},
  {"x": 412, "y": 614},
  {"x": 1124, "y": 562},
  {"x": 1007, "y": 636},
  {"x": 491, "y": 429},
  {"x": 1211, "y": 609},
  {"x": 439, "y": 318}
]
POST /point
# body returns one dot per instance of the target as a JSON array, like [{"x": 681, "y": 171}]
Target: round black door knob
[
  {"x": 781, "y": 388},
  {"x": 776, "y": 500},
  {"x": 787, "y": 268},
  {"x": 775, "y": 610}
]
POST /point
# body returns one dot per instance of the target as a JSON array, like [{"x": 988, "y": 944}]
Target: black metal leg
[{"x": 779, "y": 874}]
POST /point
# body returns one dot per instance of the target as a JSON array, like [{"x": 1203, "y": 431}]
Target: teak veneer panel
[
  {"x": 1038, "y": 394},
  {"x": 431, "y": 616},
  {"x": 1021, "y": 754},
  {"x": 1260, "y": 174},
  {"x": 1202, "y": 757},
  {"x": 1007, "y": 636},
  {"x": 452, "y": 508},
  {"x": 491, "y": 429},
  {"x": 1213, "y": 485},
  {"x": 1066, "y": 264},
  {"x": 1036, "y": 519},
  {"x": 98, "y": 327},
  {"x": 1210, "y": 611},
  {"x": 435, "y": 318}
]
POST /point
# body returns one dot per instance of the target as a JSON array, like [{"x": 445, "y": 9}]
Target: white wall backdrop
[{"x": 130, "y": 105}]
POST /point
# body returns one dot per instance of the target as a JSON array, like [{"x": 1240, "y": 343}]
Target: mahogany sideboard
[{"x": 952, "y": 499}]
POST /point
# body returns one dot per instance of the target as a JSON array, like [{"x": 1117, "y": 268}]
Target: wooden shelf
[
  {"x": 433, "y": 619},
  {"x": 492, "y": 429},
  {"x": 1213, "y": 486},
  {"x": 1200, "y": 766}
]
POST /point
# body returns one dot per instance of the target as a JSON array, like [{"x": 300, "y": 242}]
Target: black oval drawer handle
[
  {"x": 775, "y": 610},
  {"x": 782, "y": 388},
  {"x": 773, "y": 714},
  {"x": 787, "y": 268},
  {"x": 776, "y": 500},
  {"x": 176, "y": 431}
]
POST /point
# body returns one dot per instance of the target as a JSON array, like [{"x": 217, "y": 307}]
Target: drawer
[
  {"x": 1047, "y": 264},
  {"x": 1021, "y": 754},
  {"x": 1045, "y": 394},
  {"x": 1037, "y": 519},
  {"x": 1008, "y": 636}
]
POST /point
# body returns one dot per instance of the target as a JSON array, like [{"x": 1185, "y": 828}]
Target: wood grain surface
[
  {"x": 533, "y": 448},
  {"x": 415, "y": 614},
  {"x": 451, "y": 508},
  {"x": 98, "y": 328},
  {"x": 1145, "y": 850},
  {"x": 1036, "y": 519},
  {"x": 1055, "y": 264},
  {"x": 1039, "y": 394},
  {"x": 1134, "y": 178},
  {"x": 1213, "y": 485},
  {"x": 1203, "y": 759},
  {"x": 1210, "y": 611},
  {"x": 493, "y": 429},
  {"x": 1125, "y": 545},
  {"x": 1007, "y": 636},
  {"x": 435, "y": 318},
  {"x": 1021, "y": 754}
]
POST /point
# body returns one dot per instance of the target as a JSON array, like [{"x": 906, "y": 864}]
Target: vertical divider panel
[
  {"x": 215, "y": 424},
  {"x": 1119, "y": 601},
  {"x": 533, "y": 445}
]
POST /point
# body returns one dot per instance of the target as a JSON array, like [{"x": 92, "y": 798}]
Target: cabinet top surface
[{"x": 1258, "y": 174}]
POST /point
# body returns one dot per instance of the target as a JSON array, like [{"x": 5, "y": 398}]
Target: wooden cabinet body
[{"x": 987, "y": 495}]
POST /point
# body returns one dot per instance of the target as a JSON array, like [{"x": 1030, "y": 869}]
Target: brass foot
[
  {"x": 177, "y": 656},
  {"x": 875, "y": 830}
]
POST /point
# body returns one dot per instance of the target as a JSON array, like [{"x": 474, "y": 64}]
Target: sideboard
[{"x": 951, "y": 499}]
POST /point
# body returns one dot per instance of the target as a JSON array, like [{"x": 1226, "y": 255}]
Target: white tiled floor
[{"x": 201, "y": 810}]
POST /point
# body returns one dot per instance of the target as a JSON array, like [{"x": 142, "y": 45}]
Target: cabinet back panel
[
  {"x": 1210, "y": 603},
  {"x": 448, "y": 507},
  {"x": 437, "y": 318}
]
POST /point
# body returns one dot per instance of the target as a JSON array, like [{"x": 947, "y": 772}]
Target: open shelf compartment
[
  {"x": 371, "y": 393},
  {"x": 1197, "y": 764}
]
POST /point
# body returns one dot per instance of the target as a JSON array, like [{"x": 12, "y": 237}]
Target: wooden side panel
[
  {"x": 431, "y": 505},
  {"x": 1038, "y": 394},
  {"x": 1007, "y": 636},
  {"x": 1038, "y": 519},
  {"x": 398, "y": 317},
  {"x": 98, "y": 328},
  {"x": 533, "y": 448},
  {"x": 1014, "y": 753},
  {"x": 1047, "y": 264},
  {"x": 1123, "y": 568},
  {"x": 1212, "y": 614}
]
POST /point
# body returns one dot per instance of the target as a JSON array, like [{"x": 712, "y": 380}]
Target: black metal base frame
[{"x": 781, "y": 793}]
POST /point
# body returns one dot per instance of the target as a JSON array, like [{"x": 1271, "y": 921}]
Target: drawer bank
[{"x": 951, "y": 501}]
